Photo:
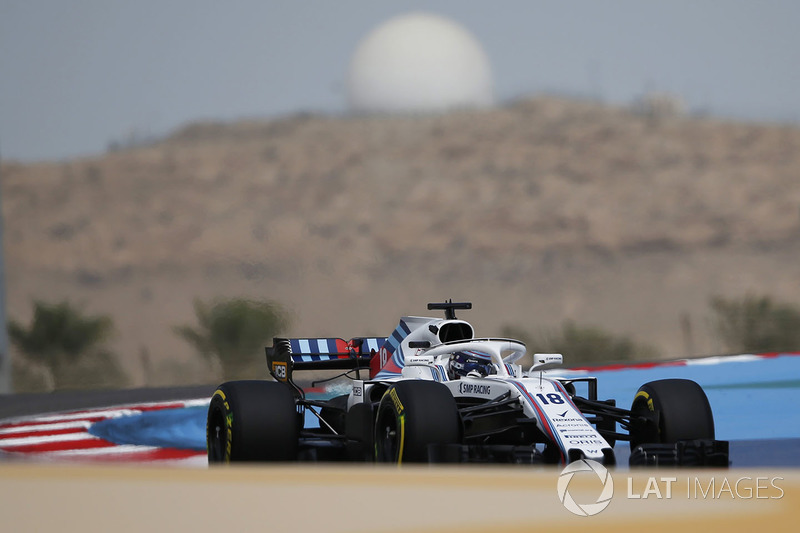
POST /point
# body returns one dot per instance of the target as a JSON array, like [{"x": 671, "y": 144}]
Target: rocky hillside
[{"x": 543, "y": 210}]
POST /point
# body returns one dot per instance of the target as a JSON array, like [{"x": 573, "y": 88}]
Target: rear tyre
[
  {"x": 252, "y": 421},
  {"x": 678, "y": 409},
  {"x": 411, "y": 416}
]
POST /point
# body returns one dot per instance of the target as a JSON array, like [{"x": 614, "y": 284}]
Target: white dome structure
[{"x": 419, "y": 63}]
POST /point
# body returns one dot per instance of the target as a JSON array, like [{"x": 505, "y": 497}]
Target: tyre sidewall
[
  {"x": 423, "y": 413},
  {"x": 260, "y": 422},
  {"x": 682, "y": 408}
]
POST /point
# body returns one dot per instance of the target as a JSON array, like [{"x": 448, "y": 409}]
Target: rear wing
[{"x": 287, "y": 355}]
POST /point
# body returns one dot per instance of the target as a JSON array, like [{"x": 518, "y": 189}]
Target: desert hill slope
[{"x": 539, "y": 211}]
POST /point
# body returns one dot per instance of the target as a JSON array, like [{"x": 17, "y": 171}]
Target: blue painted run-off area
[
  {"x": 170, "y": 428},
  {"x": 756, "y": 399},
  {"x": 751, "y": 400}
]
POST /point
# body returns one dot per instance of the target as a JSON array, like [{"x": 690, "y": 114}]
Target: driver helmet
[{"x": 474, "y": 364}]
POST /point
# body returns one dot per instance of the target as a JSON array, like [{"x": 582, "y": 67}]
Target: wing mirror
[{"x": 543, "y": 361}]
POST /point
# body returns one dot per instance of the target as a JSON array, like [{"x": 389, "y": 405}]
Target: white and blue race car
[{"x": 435, "y": 393}]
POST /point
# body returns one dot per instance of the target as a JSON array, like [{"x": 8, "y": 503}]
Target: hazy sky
[{"x": 78, "y": 74}]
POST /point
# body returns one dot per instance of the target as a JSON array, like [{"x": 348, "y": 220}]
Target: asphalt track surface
[
  {"x": 753, "y": 398},
  {"x": 89, "y": 497},
  {"x": 14, "y": 405}
]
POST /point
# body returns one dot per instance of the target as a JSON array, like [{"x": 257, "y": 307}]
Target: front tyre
[
  {"x": 252, "y": 421},
  {"x": 411, "y": 416},
  {"x": 677, "y": 409}
]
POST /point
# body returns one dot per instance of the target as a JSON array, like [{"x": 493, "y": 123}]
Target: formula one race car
[{"x": 437, "y": 394}]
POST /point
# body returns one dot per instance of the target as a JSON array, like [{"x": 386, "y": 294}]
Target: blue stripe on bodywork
[
  {"x": 554, "y": 436},
  {"x": 393, "y": 343},
  {"x": 372, "y": 343}
]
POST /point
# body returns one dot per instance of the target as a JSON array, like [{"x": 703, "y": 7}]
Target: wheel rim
[
  {"x": 642, "y": 436},
  {"x": 387, "y": 440},
  {"x": 217, "y": 437}
]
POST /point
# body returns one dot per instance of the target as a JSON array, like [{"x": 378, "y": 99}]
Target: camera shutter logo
[{"x": 586, "y": 509}]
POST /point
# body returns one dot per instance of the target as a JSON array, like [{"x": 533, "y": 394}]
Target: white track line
[
  {"x": 105, "y": 413},
  {"x": 52, "y": 426},
  {"x": 47, "y": 439},
  {"x": 110, "y": 451}
]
